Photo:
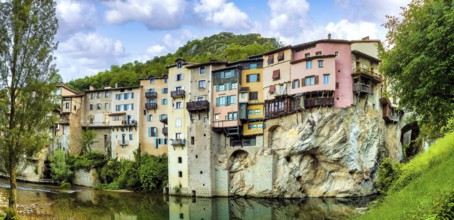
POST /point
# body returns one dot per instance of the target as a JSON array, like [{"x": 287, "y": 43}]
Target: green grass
[{"x": 422, "y": 181}]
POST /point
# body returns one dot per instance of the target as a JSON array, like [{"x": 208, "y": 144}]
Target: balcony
[
  {"x": 389, "y": 114},
  {"x": 123, "y": 143},
  {"x": 316, "y": 102},
  {"x": 129, "y": 122},
  {"x": 367, "y": 73},
  {"x": 178, "y": 142},
  {"x": 165, "y": 131},
  {"x": 151, "y": 95},
  {"x": 163, "y": 120},
  {"x": 362, "y": 89},
  {"x": 177, "y": 94},
  {"x": 151, "y": 106},
  {"x": 198, "y": 106}
]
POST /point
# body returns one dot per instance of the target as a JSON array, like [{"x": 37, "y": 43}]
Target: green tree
[
  {"x": 27, "y": 79},
  {"x": 61, "y": 170},
  {"x": 86, "y": 141},
  {"x": 419, "y": 62}
]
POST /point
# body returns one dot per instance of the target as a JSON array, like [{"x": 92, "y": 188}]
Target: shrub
[
  {"x": 443, "y": 208},
  {"x": 88, "y": 161},
  {"x": 60, "y": 169},
  {"x": 387, "y": 173},
  {"x": 153, "y": 172}
]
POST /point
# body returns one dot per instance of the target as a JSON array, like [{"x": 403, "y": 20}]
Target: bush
[
  {"x": 88, "y": 161},
  {"x": 153, "y": 172},
  {"x": 60, "y": 169},
  {"x": 387, "y": 173},
  {"x": 443, "y": 208}
]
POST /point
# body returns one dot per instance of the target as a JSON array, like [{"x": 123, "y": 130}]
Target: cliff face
[{"x": 319, "y": 153}]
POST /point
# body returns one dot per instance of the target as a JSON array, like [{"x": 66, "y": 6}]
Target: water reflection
[{"x": 48, "y": 202}]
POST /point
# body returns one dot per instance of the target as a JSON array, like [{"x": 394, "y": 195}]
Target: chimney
[
  {"x": 91, "y": 88},
  {"x": 365, "y": 38},
  {"x": 116, "y": 85},
  {"x": 329, "y": 36}
]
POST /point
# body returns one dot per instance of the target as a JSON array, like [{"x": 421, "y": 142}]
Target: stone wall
[{"x": 86, "y": 178}]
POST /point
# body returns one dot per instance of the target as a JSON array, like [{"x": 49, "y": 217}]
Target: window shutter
[
  {"x": 316, "y": 80},
  {"x": 217, "y": 101},
  {"x": 247, "y": 78},
  {"x": 258, "y": 77},
  {"x": 303, "y": 82}
]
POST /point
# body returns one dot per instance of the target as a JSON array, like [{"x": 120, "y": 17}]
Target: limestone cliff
[{"x": 319, "y": 153}]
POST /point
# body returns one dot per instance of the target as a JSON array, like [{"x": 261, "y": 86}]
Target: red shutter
[
  {"x": 276, "y": 74},
  {"x": 316, "y": 80},
  {"x": 280, "y": 56},
  {"x": 272, "y": 88}
]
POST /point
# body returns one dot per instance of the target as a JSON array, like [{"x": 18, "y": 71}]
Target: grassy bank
[{"x": 424, "y": 188}]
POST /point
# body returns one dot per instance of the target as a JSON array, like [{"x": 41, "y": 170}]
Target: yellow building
[{"x": 154, "y": 100}]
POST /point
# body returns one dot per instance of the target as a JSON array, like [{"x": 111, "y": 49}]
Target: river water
[{"x": 51, "y": 202}]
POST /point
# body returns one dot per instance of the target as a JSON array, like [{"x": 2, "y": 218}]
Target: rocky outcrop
[{"x": 326, "y": 152}]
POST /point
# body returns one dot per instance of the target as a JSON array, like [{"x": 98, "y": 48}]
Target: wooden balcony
[
  {"x": 151, "y": 106},
  {"x": 196, "y": 106},
  {"x": 362, "y": 89},
  {"x": 177, "y": 94},
  {"x": 178, "y": 142},
  {"x": 317, "y": 102},
  {"x": 151, "y": 95},
  {"x": 165, "y": 131},
  {"x": 366, "y": 73}
]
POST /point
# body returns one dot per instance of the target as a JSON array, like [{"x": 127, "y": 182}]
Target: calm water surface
[{"x": 49, "y": 202}]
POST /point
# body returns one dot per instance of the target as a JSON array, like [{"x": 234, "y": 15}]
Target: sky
[{"x": 93, "y": 35}]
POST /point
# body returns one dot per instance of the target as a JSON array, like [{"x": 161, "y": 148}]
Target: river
[{"x": 51, "y": 202}]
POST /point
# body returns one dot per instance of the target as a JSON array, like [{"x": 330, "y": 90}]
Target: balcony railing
[
  {"x": 165, "y": 131},
  {"x": 316, "y": 102},
  {"x": 177, "y": 94},
  {"x": 163, "y": 120},
  {"x": 368, "y": 73},
  {"x": 129, "y": 122},
  {"x": 362, "y": 89},
  {"x": 151, "y": 106},
  {"x": 123, "y": 143},
  {"x": 151, "y": 95},
  {"x": 198, "y": 106},
  {"x": 178, "y": 142}
]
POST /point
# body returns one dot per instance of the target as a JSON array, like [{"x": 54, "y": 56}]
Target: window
[
  {"x": 130, "y": 137},
  {"x": 337, "y": 85},
  {"x": 336, "y": 53},
  {"x": 98, "y": 106},
  {"x": 164, "y": 101},
  {"x": 255, "y": 126},
  {"x": 251, "y": 112},
  {"x": 253, "y": 66},
  {"x": 118, "y": 108},
  {"x": 180, "y": 160},
  {"x": 221, "y": 101},
  {"x": 132, "y": 95},
  {"x": 179, "y": 77},
  {"x": 307, "y": 55},
  {"x": 309, "y": 64},
  {"x": 192, "y": 140},
  {"x": 318, "y": 53},
  {"x": 309, "y": 81},
  {"x": 232, "y": 99},
  {"x": 205, "y": 119},
  {"x": 253, "y": 95},
  {"x": 92, "y": 95},
  {"x": 165, "y": 90},
  {"x": 178, "y": 122},
  {"x": 107, "y": 106},
  {"x": 280, "y": 56},
  {"x": 179, "y": 64},
  {"x": 216, "y": 117},
  {"x": 125, "y": 96},
  {"x": 162, "y": 116},
  {"x": 91, "y": 106},
  {"x": 178, "y": 105},
  {"x": 116, "y": 118},
  {"x": 253, "y": 78},
  {"x": 118, "y": 96},
  {"x": 178, "y": 136},
  {"x": 232, "y": 116},
  {"x": 276, "y": 74},
  {"x": 296, "y": 83},
  {"x": 180, "y": 174},
  {"x": 125, "y": 107},
  {"x": 243, "y": 95},
  {"x": 270, "y": 59},
  {"x": 202, "y": 84},
  {"x": 67, "y": 105},
  {"x": 107, "y": 95},
  {"x": 202, "y": 70},
  {"x": 200, "y": 98},
  {"x": 99, "y": 95},
  {"x": 257, "y": 111},
  {"x": 150, "y": 117},
  {"x": 220, "y": 88},
  {"x": 152, "y": 81},
  {"x": 325, "y": 78},
  {"x": 233, "y": 86},
  {"x": 152, "y": 132},
  {"x": 165, "y": 79},
  {"x": 320, "y": 64}
]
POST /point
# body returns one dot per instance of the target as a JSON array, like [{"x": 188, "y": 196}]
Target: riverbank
[{"x": 424, "y": 188}]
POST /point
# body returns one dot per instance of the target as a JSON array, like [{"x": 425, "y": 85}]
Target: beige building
[
  {"x": 124, "y": 121},
  {"x": 154, "y": 102},
  {"x": 96, "y": 117},
  {"x": 68, "y": 129}
]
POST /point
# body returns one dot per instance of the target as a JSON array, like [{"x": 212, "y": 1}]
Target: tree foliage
[
  {"x": 86, "y": 141},
  {"x": 419, "y": 61},
  {"x": 60, "y": 167},
  {"x": 219, "y": 46},
  {"x": 27, "y": 79}
]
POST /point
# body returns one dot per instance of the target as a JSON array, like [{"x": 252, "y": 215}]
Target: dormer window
[{"x": 179, "y": 65}]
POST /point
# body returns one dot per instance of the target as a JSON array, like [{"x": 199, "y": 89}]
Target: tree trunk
[{"x": 13, "y": 190}]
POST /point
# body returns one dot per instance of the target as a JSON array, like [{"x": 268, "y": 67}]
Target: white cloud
[
  {"x": 288, "y": 16},
  {"x": 372, "y": 10},
  {"x": 155, "y": 14},
  {"x": 223, "y": 14},
  {"x": 88, "y": 54},
  {"x": 75, "y": 16}
]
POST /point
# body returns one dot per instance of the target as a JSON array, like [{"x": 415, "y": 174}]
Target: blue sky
[{"x": 95, "y": 34}]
